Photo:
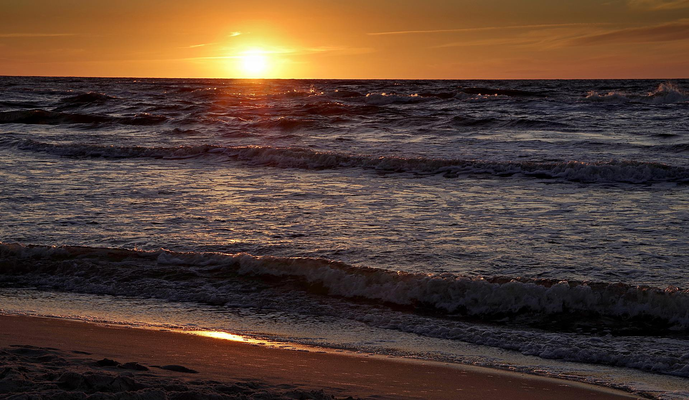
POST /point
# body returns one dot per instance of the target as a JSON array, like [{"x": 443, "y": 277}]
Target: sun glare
[{"x": 254, "y": 64}]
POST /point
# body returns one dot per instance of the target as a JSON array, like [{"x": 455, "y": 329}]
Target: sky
[{"x": 391, "y": 39}]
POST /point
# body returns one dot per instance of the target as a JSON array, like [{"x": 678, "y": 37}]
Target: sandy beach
[{"x": 42, "y": 356}]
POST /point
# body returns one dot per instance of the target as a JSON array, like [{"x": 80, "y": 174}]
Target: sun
[{"x": 254, "y": 63}]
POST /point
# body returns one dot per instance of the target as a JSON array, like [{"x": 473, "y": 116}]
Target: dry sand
[{"x": 62, "y": 363}]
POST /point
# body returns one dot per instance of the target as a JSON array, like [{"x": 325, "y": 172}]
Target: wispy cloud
[
  {"x": 479, "y": 29},
  {"x": 194, "y": 46},
  {"x": 551, "y": 39},
  {"x": 34, "y": 35},
  {"x": 659, "y": 4},
  {"x": 489, "y": 42},
  {"x": 334, "y": 50},
  {"x": 325, "y": 50},
  {"x": 678, "y": 30},
  {"x": 239, "y": 53}
]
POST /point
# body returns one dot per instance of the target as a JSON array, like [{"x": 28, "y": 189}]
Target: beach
[
  {"x": 341, "y": 200},
  {"x": 254, "y": 370}
]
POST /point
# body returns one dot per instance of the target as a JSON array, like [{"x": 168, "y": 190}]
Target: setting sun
[{"x": 254, "y": 64}]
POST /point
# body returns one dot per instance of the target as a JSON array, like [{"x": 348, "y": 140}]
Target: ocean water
[{"x": 540, "y": 226}]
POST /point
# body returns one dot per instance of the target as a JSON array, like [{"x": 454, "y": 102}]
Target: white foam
[
  {"x": 380, "y": 99},
  {"x": 611, "y": 97},
  {"x": 475, "y": 296},
  {"x": 665, "y": 93},
  {"x": 247, "y": 281}
]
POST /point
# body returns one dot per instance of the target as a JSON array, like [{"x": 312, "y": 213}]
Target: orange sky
[{"x": 452, "y": 39}]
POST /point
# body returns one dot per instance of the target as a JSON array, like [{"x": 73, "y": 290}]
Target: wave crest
[
  {"x": 484, "y": 91},
  {"x": 43, "y": 117},
  {"x": 113, "y": 270},
  {"x": 633, "y": 172},
  {"x": 665, "y": 93},
  {"x": 380, "y": 99},
  {"x": 87, "y": 98}
]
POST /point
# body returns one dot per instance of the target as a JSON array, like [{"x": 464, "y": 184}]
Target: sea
[{"x": 536, "y": 226}]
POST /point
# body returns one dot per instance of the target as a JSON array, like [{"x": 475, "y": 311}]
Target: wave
[
  {"x": 296, "y": 93},
  {"x": 610, "y": 97},
  {"x": 203, "y": 277},
  {"x": 285, "y": 124},
  {"x": 380, "y": 99},
  {"x": 238, "y": 92},
  {"x": 520, "y": 123},
  {"x": 337, "y": 109},
  {"x": 632, "y": 172},
  {"x": 340, "y": 93},
  {"x": 469, "y": 92},
  {"x": 181, "y": 132},
  {"x": 87, "y": 98},
  {"x": 677, "y": 148},
  {"x": 393, "y": 98},
  {"x": 49, "y": 118},
  {"x": 20, "y": 104},
  {"x": 439, "y": 95},
  {"x": 668, "y": 93},
  {"x": 474, "y": 122},
  {"x": 665, "y": 93},
  {"x": 483, "y": 91},
  {"x": 43, "y": 117},
  {"x": 601, "y": 323}
]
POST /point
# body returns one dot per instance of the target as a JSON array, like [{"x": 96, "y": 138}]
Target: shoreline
[{"x": 336, "y": 373}]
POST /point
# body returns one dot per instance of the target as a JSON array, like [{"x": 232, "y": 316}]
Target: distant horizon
[{"x": 344, "y": 79}]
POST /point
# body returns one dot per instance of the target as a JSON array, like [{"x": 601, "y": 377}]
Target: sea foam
[{"x": 445, "y": 293}]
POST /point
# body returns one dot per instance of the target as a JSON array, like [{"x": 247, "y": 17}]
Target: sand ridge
[{"x": 30, "y": 372}]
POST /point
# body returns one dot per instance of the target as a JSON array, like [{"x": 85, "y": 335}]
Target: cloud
[
  {"x": 333, "y": 50},
  {"x": 326, "y": 50},
  {"x": 34, "y": 35},
  {"x": 194, "y": 46},
  {"x": 490, "y": 42},
  {"x": 659, "y": 4},
  {"x": 479, "y": 29},
  {"x": 678, "y": 30},
  {"x": 544, "y": 37}
]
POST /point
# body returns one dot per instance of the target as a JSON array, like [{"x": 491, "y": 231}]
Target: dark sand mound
[{"x": 28, "y": 372}]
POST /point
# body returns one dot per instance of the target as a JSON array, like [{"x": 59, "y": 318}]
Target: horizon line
[{"x": 344, "y": 79}]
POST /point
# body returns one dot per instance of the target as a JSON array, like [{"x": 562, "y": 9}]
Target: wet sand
[{"x": 69, "y": 351}]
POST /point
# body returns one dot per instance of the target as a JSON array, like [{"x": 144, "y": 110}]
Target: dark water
[{"x": 544, "y": 217}]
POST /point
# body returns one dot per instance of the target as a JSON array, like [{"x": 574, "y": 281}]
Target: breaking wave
[
  {"x": 665, "y": 93},
  {"x": 204, "y": 277},
  {"x": 634, "y": 172},
  {"x": 632, "y": 326}
]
